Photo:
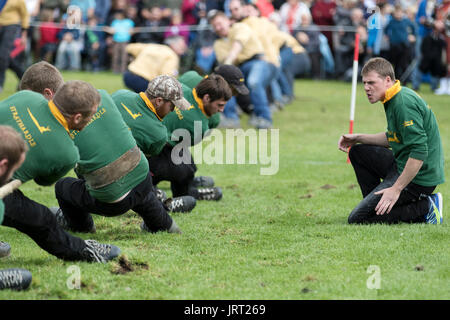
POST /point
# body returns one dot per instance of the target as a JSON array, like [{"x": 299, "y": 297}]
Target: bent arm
[
  {"x": 348, "y": 140},
  {"x": 236, "y": 48}
]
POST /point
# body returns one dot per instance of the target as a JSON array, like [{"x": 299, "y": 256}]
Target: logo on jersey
[
  {"x": 41, "y": 128},
  {"x": 133, "y": 115}
]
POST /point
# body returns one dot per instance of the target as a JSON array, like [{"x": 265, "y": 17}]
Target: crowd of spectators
[{"x": 93, "y": 34}]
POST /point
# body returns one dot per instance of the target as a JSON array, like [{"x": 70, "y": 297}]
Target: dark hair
[
  {"x": 12, "y": 145},
  {"x": 215, "y": 86},
  {"x": 40, "y": 76}
]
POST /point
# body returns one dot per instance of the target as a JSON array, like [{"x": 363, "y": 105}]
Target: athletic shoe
[
  {"x": 443, "y": 87},
  {"x": 279, "y": 105},
  {"x": 173, "y": 228},
  {"x": 17, "y": 279},
  {"x": 214, "y": 193},
  {"x": 260, "y": 122},
  {"x": 5, "y": 249},
  {"x": 99, "y": 252},
  {"x": 161, "y": 195},
  {"x": 203, "y": 182},
  {"x": 181, "y": 204},
  {"x": 273, "y": 108},
  {"x": 434, "y": 216},
  {"x": 63, "y": 223},
  {"x": 229, "y": 123},
  {"x": 253, "y": 120},
  {"x": 263, "y": 124}
]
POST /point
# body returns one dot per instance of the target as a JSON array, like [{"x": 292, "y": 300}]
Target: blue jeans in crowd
[
  {"x": 275, "y": 86},
  {"x": 286, "y": 77},
  {"x": 258, "y": 74},
  {"x": 230, "y": 109}
]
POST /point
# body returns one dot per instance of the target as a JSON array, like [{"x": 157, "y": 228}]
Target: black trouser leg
[
  {"x": 179, "y": 175},
  {"x": 77, "y": 205},
  {"x": 8, "y": 34},
  {"x": 39, "y": 223},
  {"x": 373, "y": 163}
]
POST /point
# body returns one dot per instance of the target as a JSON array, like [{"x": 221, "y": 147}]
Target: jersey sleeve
[{"x": 411, "y": 125}]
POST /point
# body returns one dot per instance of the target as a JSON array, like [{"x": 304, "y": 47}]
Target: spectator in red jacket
[
  {"x": 322, "y": 12},
  {"x": 48, "y": 36}
]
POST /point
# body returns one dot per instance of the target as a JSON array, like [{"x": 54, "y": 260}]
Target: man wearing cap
[
  {"x": 235, "y": 79},
  {"x": 143, "y": 113},
  {"x": 113, "y": 176},
  {"x": 207, "y": 98},
  {"x": 241, "y": 46}
]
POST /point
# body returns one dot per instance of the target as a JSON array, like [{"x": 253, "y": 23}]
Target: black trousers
[
  {"x": 375, "y": 169},
  {"x": 77, "y": 205},
  {"x": 39, "y": 223},
  {"x": 179, "y": 175},
  {"x": 400, "y": 57},
  {"x": 8, "y": 34}
]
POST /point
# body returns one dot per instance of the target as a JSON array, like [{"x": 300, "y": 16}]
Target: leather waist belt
[{"x": 114, "y": 171}]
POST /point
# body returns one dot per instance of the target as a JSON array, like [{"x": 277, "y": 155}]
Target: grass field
[{"x": 283, "y": 236}]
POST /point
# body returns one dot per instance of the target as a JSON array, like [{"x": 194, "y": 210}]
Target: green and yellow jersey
[
  {"x": 140, "y": 115},
  {"x": 191, "y": 79},
  {"x": 194, "y": 120},
  {"x": 412, "y": 132},
  {"x": 52, "y": 152},
  {"x": 104, "y": 140}
]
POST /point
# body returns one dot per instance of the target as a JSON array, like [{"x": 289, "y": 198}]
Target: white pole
[{"x": 354, "y": 84}]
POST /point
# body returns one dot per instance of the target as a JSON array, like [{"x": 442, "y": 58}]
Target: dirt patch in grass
[{"x": 124, "y": 266}]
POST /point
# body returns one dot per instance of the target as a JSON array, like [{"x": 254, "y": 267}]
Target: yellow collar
[
  {"x": 392, "y": 91},
  {"x": 149, "y": 104},
  {"x": 199, "y": 102},
  {"x": 58, "y": 115}
]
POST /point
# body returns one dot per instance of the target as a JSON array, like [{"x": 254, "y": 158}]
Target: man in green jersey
[
  {"x": 413, "y": 166},
  {"x": 207, "y": 98},
  {"x": 143, "y": 113},
  {"x": 113, "y": 172},
  {"x": 235, "y": 79},
  {"x": 12, "y": 154},
  {"x": 48, "y": 93},
  {"x": 45, "y": 126}
]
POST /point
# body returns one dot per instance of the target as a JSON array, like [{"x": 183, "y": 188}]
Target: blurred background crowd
[{"x": 94, "y": 34}]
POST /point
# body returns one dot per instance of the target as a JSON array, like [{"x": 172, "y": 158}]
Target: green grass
[{"x": 270, "y": 237}]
